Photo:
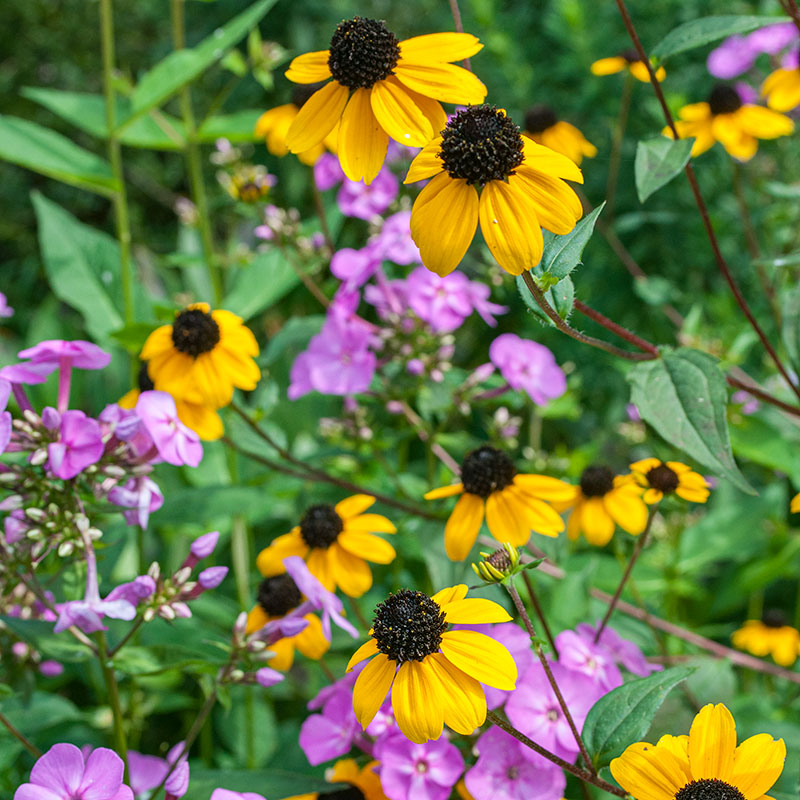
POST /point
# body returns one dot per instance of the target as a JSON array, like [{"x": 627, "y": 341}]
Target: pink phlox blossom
[
  {"x": 177, "y": 782},
  {"x": 347, "y": 681},
  {"x": 576, "y": 653},
  {"x": 211, "y": 577},
  {"x": 5, "y": 309},
  {"x": 331, "y": 733},
  {"x": 140, "y": 588},
  {"x": 737, "y": 54},
  {"x": 394, "y": 242},
  {"x": 389, "y": 298},
  {"x": 327, "y": 172},
  {"x": 80, "y": 444},
  {"x": 356, "y": 199},
  {"x": 5, "y": 415},
  {"x": 266, "y": 677},
  {"x": 16, "y": 525},
  {"x": 202, "y": 547},
  {"x": 141, "y": 496},
  {"x": 355, "y": 267},
  {"x": 56, "y": 353},
  {"x": 176, "y": 444},
  {"x": 396, "y": 152},
  {"x": 146, "y": 772},
  {"x": 228, "y": 794},
  {"x": 529, "y": 366},
  {"x": 623, "y": 651},
  {"x": 383, "y": 723}
]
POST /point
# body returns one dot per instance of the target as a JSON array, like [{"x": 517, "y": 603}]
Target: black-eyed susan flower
[
  {"x": 273, "y": 126},
  {"x": 336, "y": 542},
  {"x": 545, "y": 128},
  {"x": 514, "y": 504},
  {"x": 277, "y": 596},
  {"x": 782, "y": 89},
  {"x": 626, "y": 60},
  {"x": 364, "y": 780},
  {"x": 705, "y": 765},
  {"x": 735, "y": 125},
  {"x": 202, "y": 356},
  {"x": 484, "y": 170},
  {"x": 434, "y": 674},
  {"x": 248, "y": 184},
  {"x": 600, "y": 502},
  {"x": 660, "y": 478},
  {"x": 769, "y": 636},
  {"x": 205, "y": 421},
  {"x": 381, "y": 88}
]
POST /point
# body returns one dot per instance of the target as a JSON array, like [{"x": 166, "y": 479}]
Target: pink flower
[
  {"x": 227, "y": 794},
  {"x": 621, "y": 650},
  {"x": 356, "y": 199},
  {"x": 62, "y": 774},
  {"x": 5, "y": 308},
  {"x": 330, "y": 734},
  {"x": 5, "y": 416},
  {"x": 141, "y": 495},
  {"x": 134, "y": 591},
  {"x": 529, "y": 366},
  {"x": 80, "y": 445},
  {"x": 56, "y": 352},
  {"x": 176, "y": 443},
  {"x": 178, "y": 780},
  {"x": 327, "y": 172},
  {"x": 394, "y": 242},
  {"x": 146, "y": 772},
  {"x": 354, "y": 267},
  {"x": 266, "y": 677},
  {"x": 576, "y": 653}
]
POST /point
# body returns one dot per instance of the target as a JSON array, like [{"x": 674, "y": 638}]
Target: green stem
[
  {"x": 28, "y": 745},
  {"x": 112, "y": 690},
  {"x": 616, "y": 145}
]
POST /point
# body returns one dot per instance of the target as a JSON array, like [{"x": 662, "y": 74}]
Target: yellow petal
[
  {"x": 438, "y": 47},
  {"x": 417, "y": 703},
  {"x": 504, "y": 520},
  {"x": 369, "y": 547},
  {"x": 399, "y": 115},
  {"x": 645, "y": 464},
  {"x": 450, "y": 595},
  {"x": 316, "y": 119},
  {"x": 367, "y": 650},
  {"x": 256, "y": 619},
  {"x": 354, "y": 505},
  {"x": 757, "y": 764},
  {"x": 443, "y": 222},
  {"x": 426, "y": 163},
  {"x": 480, "y": 656},
  {"x": 545, "y": 487},
  {"x": 794, "y": 507},
  {"x": 270, "y": 559},
  {"x": 321, "y": 567},
  {"x": 350, "y": 573},
  {"x": 627, "y": 509},
  {"x": 311, "y": 641},
  {"x": 595, "y": 521},
  {"x": 474, "y": 611},
  {"x": 445, "y": 82},
  {"x": 608, "y": 66},
  {"x": 309, "y": 68},
  {"x": 371, "y": 686},
  {"x": 782, "y": 89},
  {"x": 370, "y": 523},
  {"x": 543, "y": 159},
  {"x": 463, "y": 698},
  {"x": 463, "y": 526},
  {"x": 639, "y": 71},
  {"x": 764, "y": 123},
  {"x": 158, "y": 342},
  {"x": 557, "y": 206},
  {"x": 542, "y": 518},
  {"x": 712, "y": 743},
  {"x": 449, "y": 491},
  {"x": 362, "y": 142},
  {"x": 648, "y": 773}
]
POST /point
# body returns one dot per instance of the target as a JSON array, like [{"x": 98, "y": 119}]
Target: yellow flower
[
  {"x": 514, "y": 504},
  {"x": 381, "y": 87},
  {"x": 542, "y": 125},
  {"x": 434, "y": 674},
  {"x": 336, "y": 541},
  {"x": 521, "y": 191},
  {"x": 277, "y": 596},
  {"x": 782, "y": 89},
  {"x": 202, "y": 356},
  {"x": 273, "y": 126},
  {"x": 659, "y": 478},
  {"x": 346, "y": 770},
  {"x": 628, "y": 59},
  {"x": 601, "y": 501},
  {"x": 705, "y": 765},
  {"x": 769, "y": 636},
  {"x": 249, "y": 184},
  {"x": 726, "y": 120},
  {"x": 794, "y": 507}
]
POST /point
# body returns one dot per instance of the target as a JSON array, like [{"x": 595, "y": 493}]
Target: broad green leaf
[
  {"x": 39, "y": 634},
  {"x": 791, "y": 324},
  {"x": 706, "y": 30},
  {"x": 267, "y": 782},
  {"x": 623, "y": 716},
  {"x": 658, "y": 161},
  {"x": 49, "y": 153},
  {"x": 790, "y": 191},
  {"x": 561, "y": 297},
  {"x": 776, "y": 448},
  {"x": 236, "y": 127},
  {"x": 183, "y": 66},
  {"x": 266, "y": 280},
  {"x": 41, "y": 712},
  {"x": 563, "y": 253},
  {"x": 683, "y": 396}
]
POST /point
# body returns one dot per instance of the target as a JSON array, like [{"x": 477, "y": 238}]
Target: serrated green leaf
[
  {"x": 563, "y": 253},
  {"x": 698, "y": 32},
  {"x": 658, "y": 161},
  {"x": 561, "y": 297},
  {"x": 623, "y": 716},
  {"x": 683, "y": 396}
]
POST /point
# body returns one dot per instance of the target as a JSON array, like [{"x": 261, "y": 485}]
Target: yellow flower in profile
[
  {"x": 705, "y": 765},
  {"x": 336, "y": 542},
  {"x": 202, "y": 356},
  {"x": 601, "y": 501},
  {"x": 364, "y": 779},
  {"x": 545, "y": 128},
  {"x": 782, "y": 89},
  {"x": 769, "y": 636},
  {"x": 522, "y": 190},
  {"x": 277, "y": 596},
  {"x": 514, "y": 504},
  {"x": 660, "y": 478},
  {"x": 381, "y": 88},
  {"x": 626, "y": 60},
  {"x": 725, "y": 119},
  {"x": 205, "y": 421},
  {"x": 434, "y": 674}
]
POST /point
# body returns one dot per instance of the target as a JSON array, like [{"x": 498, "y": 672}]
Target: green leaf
[
  {"x": 658, "y": 161},
  {"x": 39, "y": 634},
  {"x": 49, "y": 153},
  {"x": 705, "y": 30},
  {"x": 236, "y": 127},
  {"x": 269, "y": 782},
  {"x": 266, "y": 280},
  {"x": 182, "y": 66},
  {"x": 132, "y": 337},
  {"x": 791, "y": 324},
  {"x": 561, "y": 297},
  {"x": 563, "y": 253},
  {"x": 624, "y": 715},
  {"x": 683, "y": 396}
]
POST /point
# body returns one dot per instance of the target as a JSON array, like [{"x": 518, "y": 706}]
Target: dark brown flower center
[
  {"x": 709, "y": 789},
  {"x": 500, "y": 560},
  {"x": 143, "y": 379},
  {"x": 631, "y": 55},
  {"x": 724, "y": 100},
  {"x": 320, "y": 526},
  {"x": 539, "y": 119},
  {"x": 362, "y": 52},
  {"x": 596, "y": 481},
  {"x": 663, "y": 478},
  {"x": 486, "y": 470},
  {"x": 195, "y": 332},
  {"x": 278, "y": 595},
  {"x": 481, "y": 144},
  {"x": 350, "y": 793},
  {"x": 408, "y": 626},
  {"x": 774, "y": 618}
]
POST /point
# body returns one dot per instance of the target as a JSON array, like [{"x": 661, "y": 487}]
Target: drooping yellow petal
[
  {"x": 595, "y": 521},
  {"x": 443, "y": 222},
  {"x": 542, "y": 518},
  {"x": 316, "y": 119},
  {"x": 645, "y": 464},
  {"x": 757, "y": 764},
  {"x": 311, "y": 641},
  {"x": 320, "y": 566},
  {"x": 504, "y": 521},
  {"x": 543, "y": 159},
  {"x": 309, "y": 67},
  {"x": 639, "y": 71},
  {"x": 367, "y": 650},
  {"x": 608, "y": 66},
  {"x": 794, "y": 506},
  {"x": 626, "y": 507},
  {"x": 158, "y": 342},
  {"x": 350, "y": 573},
  {"x": 764, "y": 123},
  {"x": 463, "y": 526},
  {"x": 399, "y": 115},
  {"x": 648, "y": 773},
  {"x": 417, "y": 702},
  {"x": 369, "y": 547},
  {"x": 430, "y": 108},
  {"x": 203, "y": 420},
  {"x": 480, "y": 656},
  {"x": 282, "y": 654},
  {"x": 270, "y": 559},
  {"x": 545, "y": 487},
  {"x": 712, "y": 743},
  {"x": 370, "y": 523},
  {"x": 371, "y": 686},
  {"x": 426, "y": 163},
  {"x": 445, "y": 82},
  {"x": 354, "y": 505},
  {"x": 362, "y": 142},
  {"x": 438, "y": 47},
  {"x": 448, "y": 491},
  {"x": 782, "y": 89},
  {"x": 450, "y": 595},
  {"x": 463, "y": 698},
  {"x": 557, "y": 206},
  {"x": 474, "y": 611}
]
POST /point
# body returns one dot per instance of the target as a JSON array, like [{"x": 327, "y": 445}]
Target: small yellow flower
[
  {"x": 336, "y": 541},
  {"x": 543, "y": 126},
  {"x": 364, "y": 779},
  {"x": 381, "y": 88},
  {"x": 724, "y": 119},
  {"x": 626, "y": 60},
  {"x": 705, "y": 765},
  {"x": 249, "y": 184},
  {"x": 514, "y": 504},
  {"x": 794, "y": 507},
  {"x": 434, "y": 674},
  {"x": 660, "y": 478},
  {"x": 782, "y": 89},
  {"x": 769, "y": 636}
]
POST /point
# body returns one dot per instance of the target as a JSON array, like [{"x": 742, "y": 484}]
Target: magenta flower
[
  {"x": 330, "y": 734},
  {"x": 56, "y": 353},
  {"x": 327, "y": 172},
  {"x": 146, "y": 772},
  {"x": 737, "y": 54},
  {"x": 177, "y": 781},
  {"x": 529, "y": 366},
  {"x": 211, "y": 577},
  {"x": 5, "y": 309},
  {"x": 141, "y": 496},
  {"x": 594, "y": 661},
  {"x": 176, "y": 443},
  {"x": 354, "y": 267},
  {"x": 62, "y": 774},
  {"x": 202, "y": 547},
  {"x": 266, "y": 677},
  {"x": 5, "y": 416},
  {"x": 227, "y": 794},
  {"x": 394, "y": 242},
  {"x": 411, "y": 771},
  {"x": 388, "y": 297},
  {"x": 621, "y": 650},
  {"x": 80, "y": 445},
  {"x": 356, "y": 199}
]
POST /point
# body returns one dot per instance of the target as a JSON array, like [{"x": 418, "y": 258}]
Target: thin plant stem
[
  {"x": 537, "y": 646},
  {"x": 790, "y": 7},
  {"x": 583, "y": 775},
  {"x": 616, "y": 328},
  {"x": 459, "y": 26},
  {"x": 127, "y": 637},
  {"x": 120, "y": 197},
  {"x": 326, "y": 670},
  {"x": 112, "y": 690},
  {"x": 616, "y": 144},
  {"x": 303, "y": 276},
  {"x": 640, "y": 543},
  {"x": 26, "y": 743},
  {"x": 537, "y": 607},
  {"x": 194, "y": 164},
  {"x": 362, "y": 620}
]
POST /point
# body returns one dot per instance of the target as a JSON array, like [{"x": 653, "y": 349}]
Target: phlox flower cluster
[{"x": 737, "y": 54}]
